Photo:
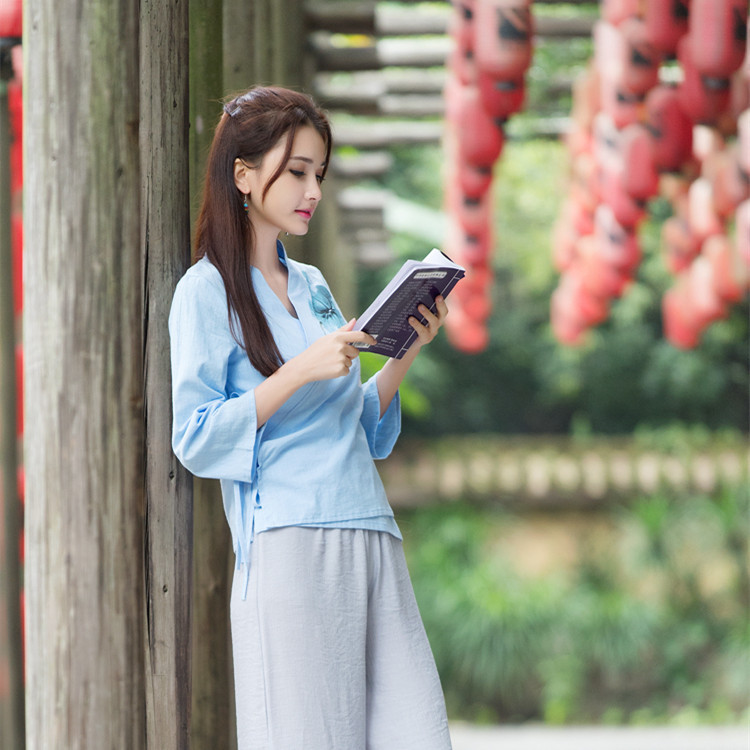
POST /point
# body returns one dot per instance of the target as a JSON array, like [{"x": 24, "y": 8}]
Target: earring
[{"x": 244, "y": 201}]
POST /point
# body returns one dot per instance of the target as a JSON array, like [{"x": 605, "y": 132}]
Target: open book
[{"x": 417, "y": 282}]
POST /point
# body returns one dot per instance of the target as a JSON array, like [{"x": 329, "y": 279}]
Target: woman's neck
[{"x": 265, "y": 257}]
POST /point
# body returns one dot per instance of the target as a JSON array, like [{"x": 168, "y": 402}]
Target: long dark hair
[{"x": 251, "y": 125}]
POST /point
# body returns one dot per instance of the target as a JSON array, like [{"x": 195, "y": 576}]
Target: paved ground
[{"x": 468, "y": 737}]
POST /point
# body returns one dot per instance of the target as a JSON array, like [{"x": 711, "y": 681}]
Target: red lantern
[
  {"x": 465, "y": 334},
  {"x": 703, "y": 218},
  {"x": 461, "y": 30},
  {"x": 473, "y": 293},
  {"x": 601, "y": 279},
  {"x": 474, "y": 180},
  {"x": 729, "y": 277},
  {"x": 640, "y": 178},
  {"x": 623, "y": 106},
  {"x": 610, "y": 50},
  {"x": 729, "y": 187},
  {"x": 679, "y": 244},
  {"x": 628, "y": 211},
  {"x": 639, "y": 65},
  {"x": 461, "y": 24},
  {"x": 717, "y": 35},
  {"x": 707, "y": 305},
  {"x": 671, "y": 128},
  {"x": 473, "y": 213},
  {"x": 467, "y": 249},
  {"x": 666, "y": 23},
  {"x": 564, "y": 241},
  {"x": 703, "y": 98},
  {"x": 585, "y": 180},
  {"x": 11, "y": 16},
  {"x": 567, "y": 326},
  {"x": 501, "y": 97},
  {"x": 461, "y": 62},
  {"x": 582, "y": 304},
  {"x": 680, "y": 327},
  {"x": 617, "y": 244},
  {"x": 503, "y": 37},
  {"x": 480, "y": 138}
]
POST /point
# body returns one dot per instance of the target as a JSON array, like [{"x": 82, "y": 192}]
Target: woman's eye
[
  {"x": 297, "y": 173},
  {"x": 319, "y": 178}
]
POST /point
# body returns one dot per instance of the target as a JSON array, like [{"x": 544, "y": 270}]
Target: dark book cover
[{"x": 417, "y": 282}]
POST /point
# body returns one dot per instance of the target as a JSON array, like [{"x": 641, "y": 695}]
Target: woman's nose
[{"x": 314, "y": 192}]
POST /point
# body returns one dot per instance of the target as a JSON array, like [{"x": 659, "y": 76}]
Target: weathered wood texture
[
  {"x": 264, "y": 43},
  {"x": 212, "y": 720},
  {"x": 213, "y": 715},
  {"x": 12, "y": 724},
  {"x": 83, "y": 337},
  {"x": 165, "y": 243}
]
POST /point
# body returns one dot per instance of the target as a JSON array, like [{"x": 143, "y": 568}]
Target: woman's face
[{"x": 292, "y": 199}]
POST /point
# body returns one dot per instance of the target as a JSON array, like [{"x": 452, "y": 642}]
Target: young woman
[{"x": 329, "y": 648}]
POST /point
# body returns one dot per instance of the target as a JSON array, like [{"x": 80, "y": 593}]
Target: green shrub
[{"x": 600, "y": 644}]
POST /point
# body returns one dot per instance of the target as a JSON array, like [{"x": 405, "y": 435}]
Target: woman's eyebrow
[{"x": 305, "y": 159}]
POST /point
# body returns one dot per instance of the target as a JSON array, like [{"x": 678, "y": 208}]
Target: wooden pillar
[
  {"x": 83, "y": 337},
  {"x": 213, "y": 716},
  {"x": 11, "y": 637},
  {"x": 165, "y": 242}
]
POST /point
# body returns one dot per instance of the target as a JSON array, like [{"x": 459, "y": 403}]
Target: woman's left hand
[{"x": 427, "y": 331}]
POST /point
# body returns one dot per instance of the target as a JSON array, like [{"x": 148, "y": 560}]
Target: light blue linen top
[{"x": 311, "y": 463}]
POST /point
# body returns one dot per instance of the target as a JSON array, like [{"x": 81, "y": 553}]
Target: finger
[
  {"x": 430, "y": 317},
  {"x": 422, "y": 331},
  {"x": 351, "y": 352},
  {"x": 354, "y": 337},
  {"x": 348, "y": 326},
  {"x": 442, "y": 307}
]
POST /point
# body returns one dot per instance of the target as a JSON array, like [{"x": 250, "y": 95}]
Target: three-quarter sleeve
[
  {"x": 214, "y": 432},
  {"x": 382, "y": 432}
]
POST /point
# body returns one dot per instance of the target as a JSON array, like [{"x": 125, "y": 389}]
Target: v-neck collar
[{"x": 290, "y": 282}]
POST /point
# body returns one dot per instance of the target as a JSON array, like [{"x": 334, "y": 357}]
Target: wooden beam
[
  {"x": 379, "y": 20},
  {"x": 403, "y": 105},
  {"x": 361, "y": 166},
  {"x": 360, "y": 92},
  {"x": 165, "y": 243},
  {"x": 371, "y": 18},
  {"x": 413, "y": 53},
  {"x": 386, "y": 133}
]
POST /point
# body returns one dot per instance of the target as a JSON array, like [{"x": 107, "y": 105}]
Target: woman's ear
[{"x": 242, "y": 176}]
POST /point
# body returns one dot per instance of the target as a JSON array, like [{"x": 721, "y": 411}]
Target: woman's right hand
[{"x": 330, "y": 356}]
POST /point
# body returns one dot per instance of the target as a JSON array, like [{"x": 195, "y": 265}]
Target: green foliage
[{"x": 657, "y": 631}]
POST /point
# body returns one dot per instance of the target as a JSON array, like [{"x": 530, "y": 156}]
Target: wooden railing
[{"x": 557, "y": 472}]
